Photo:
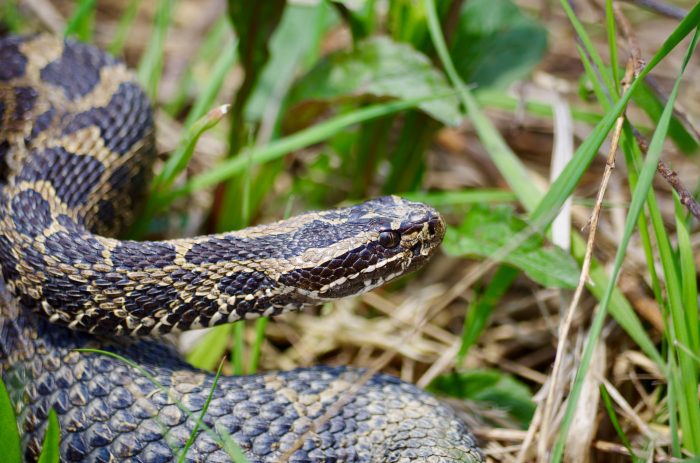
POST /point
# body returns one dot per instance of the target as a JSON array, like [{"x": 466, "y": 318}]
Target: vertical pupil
[{"x": 389, "y": 239}]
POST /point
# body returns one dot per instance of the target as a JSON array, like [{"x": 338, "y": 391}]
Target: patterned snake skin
[{"x": 76, "y": 147}]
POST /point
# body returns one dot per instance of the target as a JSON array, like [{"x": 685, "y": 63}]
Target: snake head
[{"x": 362, "y": 247}]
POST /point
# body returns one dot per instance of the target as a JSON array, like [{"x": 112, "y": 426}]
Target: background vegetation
[{"x": 550, "y": 347}]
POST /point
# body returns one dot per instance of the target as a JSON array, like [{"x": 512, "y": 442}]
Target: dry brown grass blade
[{"x": 585, "y": 423}]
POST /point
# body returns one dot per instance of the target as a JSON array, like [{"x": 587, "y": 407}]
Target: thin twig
[
  {"x": 566, "y": 327},
  {"x": 635, "y": 50},
  {"x": 632, "y": 41},
  {"x": 686, "y": 197}
]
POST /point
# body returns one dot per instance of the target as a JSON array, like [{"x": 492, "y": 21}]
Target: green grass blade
[
  {"x": 622, "y": 311},
  {"x": 495, "y": 99},
  {"x": 562, "y": 188},
  {"x": 677, "y": 333},
  {"x": 260, "y": 326},
  {"x": 50, "y": 452},
  {"x": 620, "y": 308},
  {"x": 279, "y": 148},
  {"x": 638, "y": 199},
  {"x": 688, "y": 277},
  {"x": 672, "y": 395},
  {"x": 10, "y": 442},
  {"x": 125, "y": 22},
  {"x": 215, "y": 80},
  {"x": 601, "y": 92},
  {"x": 507, "y": 162},
  {"x": 198, "y": 424},
  {"x": 480, "y": 310},
  {"x": 209, "y": 50},
  {"x": 610, "y": 409},
  {"x": 210, "y": 349},
  {"x": 590, "y": 49},
  {"x": 81, "y": 22},
  {"x": 612, "y": 42},
  {"x": 461, "y": 197},
  {"x": 151, "y": 65},
  {"x": 237, "y": 357},
  {"x": 221, "y": 438},
  {"x": 178, "y": 161}
]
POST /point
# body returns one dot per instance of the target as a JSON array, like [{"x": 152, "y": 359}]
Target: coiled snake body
[{"x": 76, "y": 147}]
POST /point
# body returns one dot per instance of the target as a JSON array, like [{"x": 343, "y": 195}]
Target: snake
[{"x": 77, "y": 148}]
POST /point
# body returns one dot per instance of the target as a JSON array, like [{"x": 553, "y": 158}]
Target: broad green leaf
[
  {"x": 497, "y": 389},
  {"x": 495, "y": 43},
  {"x": 9, "y": 443},
  {"x": 50, "y": 451},
  {"x": 377, "y": 68},
  {"x": 485, "y": 232}
]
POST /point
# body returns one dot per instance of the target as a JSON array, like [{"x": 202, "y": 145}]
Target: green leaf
[
  {"x": 497, "y": 389},
  {"x": 378, "y": 68},
  {"x": 50, "y": 448},
  {"x": 485, "y": 232},
  {"x": 296, "y": 40},
  {"x": 9, "y": 443},
  {"x": 508, "y": 164},
  {"x": 495, "y": 43},
  {"x": 254, "y": 23}
]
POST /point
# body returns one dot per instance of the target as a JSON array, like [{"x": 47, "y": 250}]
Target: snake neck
[{"x": 77, "y": 139}]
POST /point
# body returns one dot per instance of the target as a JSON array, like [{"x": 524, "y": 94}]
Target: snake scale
[{"x": 76, "y": 154}]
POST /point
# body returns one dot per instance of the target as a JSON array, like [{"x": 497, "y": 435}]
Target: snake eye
[{"x": 389, "y": 239}]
